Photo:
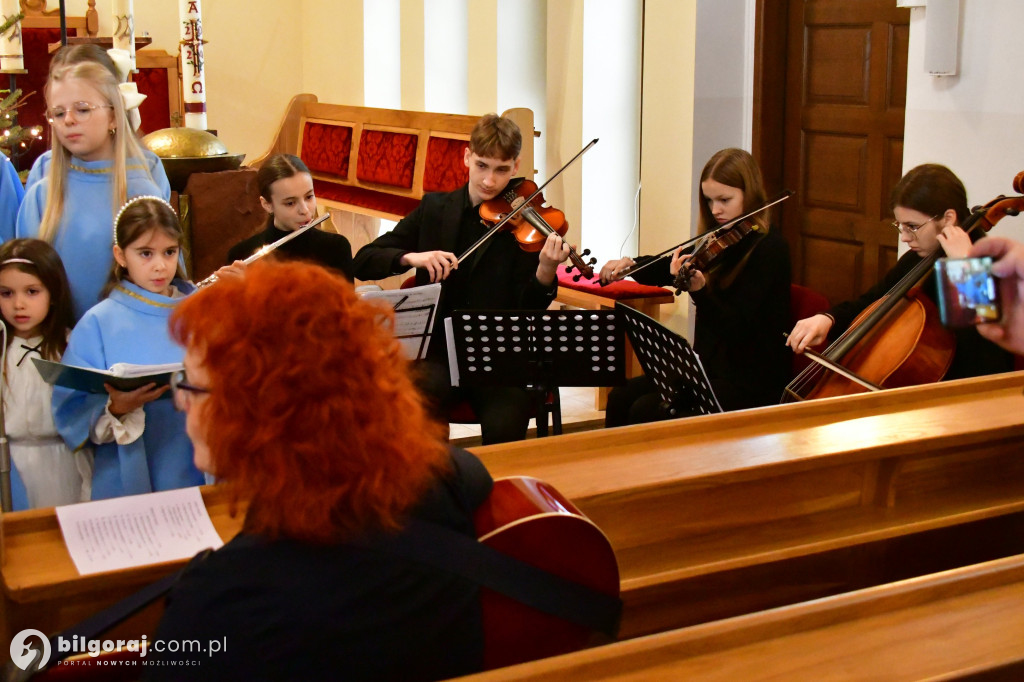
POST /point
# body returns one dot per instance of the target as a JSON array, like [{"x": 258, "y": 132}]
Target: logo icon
[{"x": 23, "y": 654}]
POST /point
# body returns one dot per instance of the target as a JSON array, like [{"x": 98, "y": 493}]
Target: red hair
[{"x": 312, "y": 415}]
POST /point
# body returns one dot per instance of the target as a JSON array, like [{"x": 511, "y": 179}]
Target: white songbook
[{"x": 137, "y": 530}]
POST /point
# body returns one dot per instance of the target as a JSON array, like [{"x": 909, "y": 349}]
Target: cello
[{"x": 898, "y": 340}]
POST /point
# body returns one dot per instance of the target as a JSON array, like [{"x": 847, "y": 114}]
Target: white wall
[
  {"x": 972, "y": 122},
  {"x": 723, "y": 81}
]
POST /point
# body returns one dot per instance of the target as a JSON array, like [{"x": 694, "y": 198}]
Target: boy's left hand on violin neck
[{"x": 554, "y": 252}]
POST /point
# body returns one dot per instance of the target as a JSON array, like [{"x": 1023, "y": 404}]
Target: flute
[{"x": 269, "y": 247}]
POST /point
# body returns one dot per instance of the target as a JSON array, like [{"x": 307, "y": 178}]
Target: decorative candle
[
  {"x": 124, "y": 28},
  {"x": 11, "y": 58},
  {"x": 193, "y": 67}
]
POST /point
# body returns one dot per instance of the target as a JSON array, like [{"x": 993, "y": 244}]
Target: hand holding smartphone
[{"x": 967, "y": 292}]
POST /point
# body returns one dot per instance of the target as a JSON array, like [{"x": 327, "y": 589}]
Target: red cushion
[
  {"x": 155, "y": 111},
  {"x": 386, "y": 158},
  {"x": 366, "y": 198},
  {"x": 616, "y": 290},
  {"x": 446, "y": 165},
  {"x": 326, "y": 148}
]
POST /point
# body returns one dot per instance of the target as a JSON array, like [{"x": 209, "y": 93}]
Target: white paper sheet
[
  {"x": 414, "y": 315},
  {"x": 109, "y": 535}
]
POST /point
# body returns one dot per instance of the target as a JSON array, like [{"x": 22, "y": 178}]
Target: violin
[
  {"x": 709, "y": 251},
  {"x": 898, "y": 340},
  {"x": 531, "y": 224},
  {"x": 720, "y": 230}
]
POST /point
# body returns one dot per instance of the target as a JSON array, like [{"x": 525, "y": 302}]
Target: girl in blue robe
[
  {"x": 139, "y": 439},
  {"x": 11, "y": 193},
  {"x": 95, "y": 165}
]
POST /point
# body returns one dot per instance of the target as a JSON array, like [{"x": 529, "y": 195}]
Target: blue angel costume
[
  {"x": 41, "y": 167},
  {"x": 85, "y": 238},
  {"x": 11, "y": 193},
  {"x": 129, "y": 326}
]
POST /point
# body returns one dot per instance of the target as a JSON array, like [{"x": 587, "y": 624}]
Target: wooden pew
[
  {"x": 714, "y": 516},
  {"x": 962, "y": 622}
]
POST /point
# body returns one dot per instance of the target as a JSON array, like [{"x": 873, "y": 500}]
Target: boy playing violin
[{"x": 497, "y": 276}]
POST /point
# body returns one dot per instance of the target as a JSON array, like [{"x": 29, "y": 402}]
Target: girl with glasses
[
  {"x": 139, "y": 439},
  {"x": 929, "y": 204},
  {"x": 95, "y": 165},
  {"x": 119, "y": 64}
]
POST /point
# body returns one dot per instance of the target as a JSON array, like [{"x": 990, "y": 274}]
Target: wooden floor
[{"x": 578, "y": 414}]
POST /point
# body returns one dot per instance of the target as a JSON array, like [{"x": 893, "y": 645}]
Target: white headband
[
  {"x": 16, "y": 260},
  {"x": 135, "y": 200}
]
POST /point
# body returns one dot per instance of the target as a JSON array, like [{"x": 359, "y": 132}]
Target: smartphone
[{"x": 968, "y": 293}]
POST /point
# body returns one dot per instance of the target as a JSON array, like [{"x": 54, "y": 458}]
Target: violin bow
[
  {"x": 785, "y": 194},
  {"x": 515, "y": 210}
]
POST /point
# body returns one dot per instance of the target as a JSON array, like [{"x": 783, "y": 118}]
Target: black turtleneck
[{"x": 323, "y": 248}]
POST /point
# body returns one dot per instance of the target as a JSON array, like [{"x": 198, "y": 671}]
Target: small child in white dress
[{"x": 35, "y": 303}]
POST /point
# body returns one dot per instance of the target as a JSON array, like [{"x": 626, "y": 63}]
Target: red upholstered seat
[
  {"x": 445, "y": 169},
  {"x": 616, "y": 290},
  {"x": 803, "y": 303},
  {"x": 326, "y": 148},
  {"x": 366, "y": 198},
  {"x": 386, "y": 158}
]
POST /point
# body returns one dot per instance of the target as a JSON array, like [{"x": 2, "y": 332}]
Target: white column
[
  {"x": 445, "y": 55},
  {"x": 611, "y": 112},
  {"x": 522, "y": 73},
  {"x": 382, "y": 65}
]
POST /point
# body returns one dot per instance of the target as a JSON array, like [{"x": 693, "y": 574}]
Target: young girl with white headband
[
  {"x": 36, "y": 309},
  {"x": 95, "y": 165},
  {"x": 139, "y": 438}
]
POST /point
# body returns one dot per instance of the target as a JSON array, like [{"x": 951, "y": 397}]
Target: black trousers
[{"x": 503, "y": 411}]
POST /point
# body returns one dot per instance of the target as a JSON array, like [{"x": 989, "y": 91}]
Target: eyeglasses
[
  {"x": 183, "y": 392},
  {"x": 81, "y": 110},
  {"x": 909, "y": 227}
]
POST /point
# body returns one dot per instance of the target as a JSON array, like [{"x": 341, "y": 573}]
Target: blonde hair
[{"x": 126, "y": 145}]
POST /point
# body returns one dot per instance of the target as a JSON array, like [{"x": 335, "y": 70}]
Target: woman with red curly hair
[{"x": 298, "y": 398}]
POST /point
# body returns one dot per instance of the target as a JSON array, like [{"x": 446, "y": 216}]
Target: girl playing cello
[{"x": 929, "y": 204}]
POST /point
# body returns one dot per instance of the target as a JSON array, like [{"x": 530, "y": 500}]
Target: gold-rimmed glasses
[{"x": 81, "y": 110}]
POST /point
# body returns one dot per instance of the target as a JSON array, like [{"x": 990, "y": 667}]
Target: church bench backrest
[{"x": 381, "y": 162}]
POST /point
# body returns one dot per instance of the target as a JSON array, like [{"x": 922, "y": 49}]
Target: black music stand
[
  {"x": 670, "y": 362},
  {"x": 538, "y": 350}
]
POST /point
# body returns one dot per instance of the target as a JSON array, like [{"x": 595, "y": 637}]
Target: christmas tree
[{"x": 14, "y": 139}]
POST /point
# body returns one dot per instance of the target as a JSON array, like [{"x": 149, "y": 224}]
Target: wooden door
[{"x": 831, "y": 93}]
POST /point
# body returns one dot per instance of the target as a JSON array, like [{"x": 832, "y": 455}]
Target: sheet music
[
  {"x": 414, "y": 315},
  {"x": 109, "y": 535}
]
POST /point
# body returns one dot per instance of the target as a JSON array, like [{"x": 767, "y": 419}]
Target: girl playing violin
[
  {"x": 742, "y": 300},
  {"x": 929, "y": 203}
]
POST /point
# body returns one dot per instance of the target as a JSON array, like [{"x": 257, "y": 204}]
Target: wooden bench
[
  {"x": 367, "y": 164},
  {"x": 714, "y": 516},
  {"x": 380, "y": 162},
  {"x": 959, "y": 623}
]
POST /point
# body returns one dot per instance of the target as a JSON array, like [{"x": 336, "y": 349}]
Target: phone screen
[{"x": 968, "y": 293}]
